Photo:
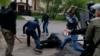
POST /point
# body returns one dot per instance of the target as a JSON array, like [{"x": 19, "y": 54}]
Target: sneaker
[
  {"x": 47, "y": 34},
  {"x": 37, "y": 50},
  {"x": 9, "y": 55}
]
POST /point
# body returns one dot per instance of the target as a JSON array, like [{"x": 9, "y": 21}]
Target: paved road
[{"x": 21, "y": 49}]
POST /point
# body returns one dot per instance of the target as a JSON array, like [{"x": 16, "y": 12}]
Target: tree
[
  {"x": 5, "y": 2},
  {"x": 56, "y": 7},
  {"x": 47, "y": 2}
]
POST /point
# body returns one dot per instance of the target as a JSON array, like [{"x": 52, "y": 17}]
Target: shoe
[
  {"x": 9, "y": 55},
  {"x": 37, "y": 50},
  {"x": 28, "y": 45},
  {"x": 47, "y": 34},
  {"x": 43, "y": 32}
]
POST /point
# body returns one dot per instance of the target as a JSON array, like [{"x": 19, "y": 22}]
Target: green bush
[
  {"x": 36, "y": 13},
  {"x": 19, "y": 17},
  {"x": 60, "y": 17}
]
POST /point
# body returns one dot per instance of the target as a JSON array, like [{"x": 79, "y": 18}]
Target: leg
[
  {"x": 46, "y": 28},
  {"x": 75, "y": 44},
  {"x": 43, "y": 27},
  {"x": 43, "y": 44},
  {"x": 48, "y": 44},
  {"x": 67, "y": 39},
  {"x": 36, "y": 39},
  {"x": 28, "y": 39},
  {"x": 10, "y": 42}
]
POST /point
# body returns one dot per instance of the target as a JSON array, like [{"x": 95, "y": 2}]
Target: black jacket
[
  {"x": 45, "y": 18},
  {"x": 31, "y": 26},
  {"x": 8, "y": 19}
]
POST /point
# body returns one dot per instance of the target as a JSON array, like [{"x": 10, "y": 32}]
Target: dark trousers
[
  {"x": 49, "y": 44},
  {"x": 34, "y": 36}
]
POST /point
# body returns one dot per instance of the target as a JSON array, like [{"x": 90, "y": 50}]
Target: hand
[
  {"x": 14, "y": 35},
  {"x": 68, "y": 30}
]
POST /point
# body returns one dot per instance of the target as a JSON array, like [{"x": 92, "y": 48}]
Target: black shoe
[
  {"x": 37, "y": 50},
  {"x": 43, "y": 32},
  {"x": 28, "y": 45},
  {"x": 9, "y": 55}
]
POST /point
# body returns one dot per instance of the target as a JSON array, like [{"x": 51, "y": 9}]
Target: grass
[
  {"x": 19, "y": 17},
  {"x": 60, "y": 18},
  {"x": 56, "y": 18},
  {"x": 40, "y": 17}
]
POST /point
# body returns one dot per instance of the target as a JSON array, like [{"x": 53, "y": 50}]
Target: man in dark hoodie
[
  {"x": 29, "y": 29},
  {"x": 8, "y": 25}
]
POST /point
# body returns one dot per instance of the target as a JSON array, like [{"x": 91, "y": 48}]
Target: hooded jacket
[{"x": 8, "y": 19}]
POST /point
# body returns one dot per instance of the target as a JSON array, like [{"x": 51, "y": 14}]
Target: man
[
  {"x": 51, "y": 42},
  {"x": 45, "y": 20},
  {"x": 93, "y": 31},
  {"x": 29, "y": 29},
  {"x": 8, "y": 25}
]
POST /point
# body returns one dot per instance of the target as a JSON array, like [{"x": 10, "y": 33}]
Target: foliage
[
  {"x": 55, "y": 8},
  {"x": 96, "y": 1},
  {"x": 4, "y": 2}
]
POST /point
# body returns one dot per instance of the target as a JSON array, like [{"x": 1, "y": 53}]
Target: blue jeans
[
  {"x": 72, "y": 38},
  {"x": 45, "y": 27},
  {"x": 34, "y": 36}
]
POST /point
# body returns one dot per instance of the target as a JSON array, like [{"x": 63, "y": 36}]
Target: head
[
  {"x": 2, "y": 7},
  {"x": 97, "y": 12},
  {"x": 13, "y": 5},
  {"x": 52, "y": 34},
  {"x": 36, "y": 20},
  {"x": 71, "y": 14}
]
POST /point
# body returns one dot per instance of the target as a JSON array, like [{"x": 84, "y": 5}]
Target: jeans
[
  {"x": 34, "y": 36},
  {"x": 45, "y": 27},
  {"x": 72, "y": 38}
]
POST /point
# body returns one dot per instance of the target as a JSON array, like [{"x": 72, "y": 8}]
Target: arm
[
  {"x": 24, "y": 28},
  {"x": 43, "y": 18},
  {"x": 90, "y": 32},
  {"x": 79, "y": 31},
  {"x": 38, "y": 29}
]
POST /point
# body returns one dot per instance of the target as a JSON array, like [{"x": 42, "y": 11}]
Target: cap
[{"x": 96, "y": 6}]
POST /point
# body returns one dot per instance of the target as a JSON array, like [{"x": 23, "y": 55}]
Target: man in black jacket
[
  {"x": 29, "y": 29},
  {"x": 8, "y": 25},
  {"x": 51, "y": 42},
  {"x": 45, "y": 20}
]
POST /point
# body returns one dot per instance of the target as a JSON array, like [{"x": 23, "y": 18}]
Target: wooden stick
[{"x": 18, "y": 39}]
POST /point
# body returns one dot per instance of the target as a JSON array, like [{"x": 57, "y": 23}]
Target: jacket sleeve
[
  {"x": 42, "y": 18},
  {"x": 79, "y": 31},
  {"x": 24, "y": 28},
  {"x": 90, "y": 32},
  {"x": 14, "y": 17},
  {"x": 38, "y": 29}
]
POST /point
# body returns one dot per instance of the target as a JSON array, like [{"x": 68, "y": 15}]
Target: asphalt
[{"x": 21, "y": 49}]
